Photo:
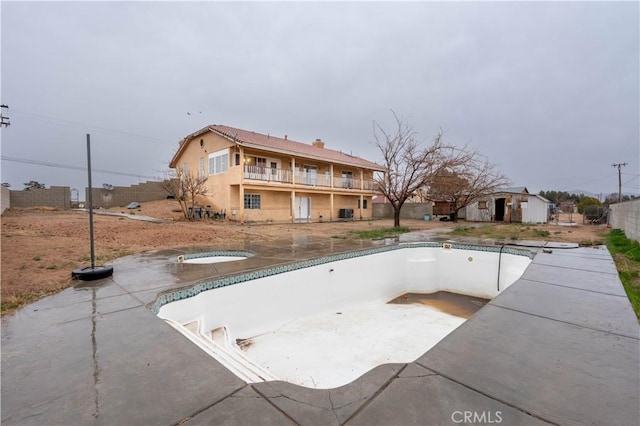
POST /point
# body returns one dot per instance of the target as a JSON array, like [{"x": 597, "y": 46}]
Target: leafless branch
[
  {"x": 467, "y": 181},
  {"x": 185, "y": 188},
  {"x": 409, "y": 165}
]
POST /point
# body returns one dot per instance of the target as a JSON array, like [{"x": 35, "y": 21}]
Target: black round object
[{"x": 90, "y": 274}]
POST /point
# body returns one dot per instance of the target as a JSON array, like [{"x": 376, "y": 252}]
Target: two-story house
[{"x": 256, "y": 177}]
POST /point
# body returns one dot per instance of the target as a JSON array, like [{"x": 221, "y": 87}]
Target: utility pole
[
  {"x": 619, "y": 165},
  {"x": 4, "y": 121}
]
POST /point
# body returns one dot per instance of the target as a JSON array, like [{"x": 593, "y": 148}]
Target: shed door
[
  {"x": 499, "y": 209},
  {"x": 303, "y": 209}
]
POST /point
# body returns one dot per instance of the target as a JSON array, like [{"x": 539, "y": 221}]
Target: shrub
[
  {"x": 541, "y": 233},
  {"x": 587, "y": 201},
  {"x": 626, "y": 254}
]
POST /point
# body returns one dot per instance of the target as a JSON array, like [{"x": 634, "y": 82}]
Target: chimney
[
  {"x": 286, "y": 137},
  {"x": 318, "y": 143}
]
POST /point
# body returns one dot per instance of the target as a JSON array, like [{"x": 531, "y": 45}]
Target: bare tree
[
  {"x": 185, "y": 188},
  {"x": 467, "y": 181},
  {"x": 410, "y": 166}
]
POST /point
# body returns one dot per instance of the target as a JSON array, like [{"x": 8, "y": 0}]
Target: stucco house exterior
[
  {"x": 509, "y": 205},
  {"x": 263, "y": 178}
]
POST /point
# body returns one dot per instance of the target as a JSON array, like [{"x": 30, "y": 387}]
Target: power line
[
  {"x": 573, "y": 185},
  {"x": 633, "y": 187},
  {"x": 72, "y": 167},
  {"x": 60, "y": 121}
]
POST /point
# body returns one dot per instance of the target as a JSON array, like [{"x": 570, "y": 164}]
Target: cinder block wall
[
  {"x": 626, "y": 216},
  {"x": 56, "y": 196},
  {"x": 6, "y": 198},
  {"x": 408, "y": 211},
  {"x": 122, "y": 195}
]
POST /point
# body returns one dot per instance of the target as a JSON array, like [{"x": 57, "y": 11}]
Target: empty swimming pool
[{"x": 324, "y": 322}]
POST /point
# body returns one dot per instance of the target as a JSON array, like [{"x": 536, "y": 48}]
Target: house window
[
  {"x": 482, "y": 204},
  {"x": 237, "y": 163},
  {"x": 251, "y": 201},
  {"x": 201, "y": 166},
  {"x": 364, "y": 203},
  {"x": 218, "y": 162},
  {"x": 185, "y": 169}
]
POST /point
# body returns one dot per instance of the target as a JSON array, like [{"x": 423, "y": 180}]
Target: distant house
[
  {"x": 257, "y": 177},
  {"x": 509, "y": 205}
]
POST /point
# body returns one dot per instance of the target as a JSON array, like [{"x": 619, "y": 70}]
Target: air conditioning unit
[{"x": 345, "y": 213}]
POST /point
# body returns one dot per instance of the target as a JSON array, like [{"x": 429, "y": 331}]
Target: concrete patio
[{"x": 560, "y": 346}]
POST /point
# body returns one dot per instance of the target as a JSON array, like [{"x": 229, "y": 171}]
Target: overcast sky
[{"x": 547, "y": 91}]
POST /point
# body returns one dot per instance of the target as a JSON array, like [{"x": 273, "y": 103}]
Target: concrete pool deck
[{"x": 560, "y": 346}]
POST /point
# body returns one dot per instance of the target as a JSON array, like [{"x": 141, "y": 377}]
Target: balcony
[{"x": 273, "y": 175}]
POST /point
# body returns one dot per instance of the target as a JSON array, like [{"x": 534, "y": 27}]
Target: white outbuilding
[{"x": 509, "y": 205}]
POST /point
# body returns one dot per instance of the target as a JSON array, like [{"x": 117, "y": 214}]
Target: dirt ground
[{"x": 41, "y": 246}]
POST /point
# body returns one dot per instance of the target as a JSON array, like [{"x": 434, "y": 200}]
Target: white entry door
[{"x": 303, "y": 209}]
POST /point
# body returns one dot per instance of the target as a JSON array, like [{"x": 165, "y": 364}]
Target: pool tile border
[
  {"x": 218, "y": 253},
  {"x": 198, "y": 288}
]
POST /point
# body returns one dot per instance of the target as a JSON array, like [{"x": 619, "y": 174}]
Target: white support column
[
  {"x": 331, "y": 173},
  {"x": 243, "y": 164},
  {"x": 241, "y": 202},
  {"x": 293, "y": 170},
  {"x": 331, "y": 197},
  {"x": 361, "y": 189}
]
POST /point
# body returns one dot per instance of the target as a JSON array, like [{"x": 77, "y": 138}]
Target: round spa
[
  {"x": 324, "y": 322},
  {"x": 209, "y": 257}
]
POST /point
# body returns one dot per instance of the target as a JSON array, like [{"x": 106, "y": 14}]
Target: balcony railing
[
  {"x": 346, "y": 183},
  {"x": 313, "y": 179},
  {"x": 369, "y": 185},
  {"x": 267, "y": 174}
]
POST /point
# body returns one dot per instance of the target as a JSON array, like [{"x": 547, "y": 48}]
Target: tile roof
[{"x": 251, "y": 139}]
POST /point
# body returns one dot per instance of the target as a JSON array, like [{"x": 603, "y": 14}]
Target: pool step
[{"x": 219, "y": 346}]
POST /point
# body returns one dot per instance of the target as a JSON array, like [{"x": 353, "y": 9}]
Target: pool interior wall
[{"x": 257, "y": 307}]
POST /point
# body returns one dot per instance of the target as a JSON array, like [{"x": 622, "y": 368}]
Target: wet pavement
[{"x": 559, "y": 346}]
